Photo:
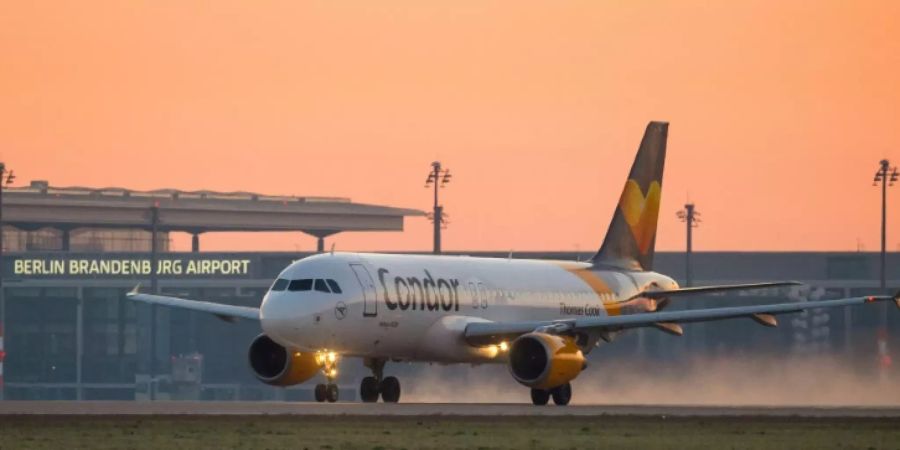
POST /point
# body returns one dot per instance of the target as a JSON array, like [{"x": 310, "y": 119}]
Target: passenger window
[
  {"x": 300, "y": 285},
  {"x": 321, "y": 286},
  {"x": 334, "y": 286},
  {"x": 280, "y": 284}
]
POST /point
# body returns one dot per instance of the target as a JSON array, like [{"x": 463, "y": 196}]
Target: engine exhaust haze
[{"x": 738, "y": 381}]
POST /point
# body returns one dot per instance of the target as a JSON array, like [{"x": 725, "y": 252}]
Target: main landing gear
[
  {"x": 561, "y": 395},
  {"x": 371, "y": 387},
  {"x": 327, "y": 392}
]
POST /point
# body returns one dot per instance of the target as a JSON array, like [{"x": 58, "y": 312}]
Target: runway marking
[{"x": 104, "y": 408}]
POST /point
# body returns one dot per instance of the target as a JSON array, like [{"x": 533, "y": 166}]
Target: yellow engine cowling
[
  {"x": 545, "y": 361},
  {"x": 273, "y": 364}
]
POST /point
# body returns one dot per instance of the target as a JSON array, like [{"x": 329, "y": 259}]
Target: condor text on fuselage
[{"x": 419, "y": 293}]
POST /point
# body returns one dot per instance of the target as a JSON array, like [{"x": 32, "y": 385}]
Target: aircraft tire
[
  {"x": 540, "y": 397},
  {"x": 331, "y": 392},
  {"x": 390, "y": 390},
  {"x": 320, "y": 393},
  {"x": 368, "y": 390},
  {"x": 562, "y": 394}
]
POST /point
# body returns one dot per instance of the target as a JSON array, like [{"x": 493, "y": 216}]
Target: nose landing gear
[
  {"x": 377, "y": 384},
  {"x": 327, "y": 392}
]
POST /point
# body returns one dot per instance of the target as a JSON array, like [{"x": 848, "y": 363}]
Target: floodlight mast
[
  {"x": 439, "y": 178},
  {"x": 887, "y": 176},
  {"x": 5, "y": 179},
  {"x": 691, "y": 218}
]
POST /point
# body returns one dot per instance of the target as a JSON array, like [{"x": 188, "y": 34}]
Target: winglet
[
  {"x": 135, "y": 290},
  {"x": 670, "y": 327},
  {"x": 764, "y": 319}
]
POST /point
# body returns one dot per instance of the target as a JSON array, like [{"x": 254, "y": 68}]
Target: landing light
[
  {"x": 504, "y": 346},
  {"x": 332, "y": 357}
]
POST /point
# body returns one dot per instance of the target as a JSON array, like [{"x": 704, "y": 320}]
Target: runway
[{"x": 133, "y": 408}]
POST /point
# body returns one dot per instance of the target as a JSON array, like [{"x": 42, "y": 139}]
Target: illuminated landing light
[
  {"x": 332, "y": 373},
  {"x": 332, "y": 357},
  {"x": 504, "y": 346}
]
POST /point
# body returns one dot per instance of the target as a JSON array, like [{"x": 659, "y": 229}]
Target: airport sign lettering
[{"x": 62, "y": 267}]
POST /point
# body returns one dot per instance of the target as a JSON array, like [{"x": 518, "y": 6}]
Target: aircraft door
[
  {"x": 370, "y": 299},
  {"x": 483, "y": 295}
]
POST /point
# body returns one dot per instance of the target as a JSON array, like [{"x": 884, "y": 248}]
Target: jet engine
[
  {"x": 276, "y": 365},
  {"x": 545, "y": 361}
]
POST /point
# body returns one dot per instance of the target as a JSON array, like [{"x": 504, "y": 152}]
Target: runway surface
[{"x": 421, "y": 409}]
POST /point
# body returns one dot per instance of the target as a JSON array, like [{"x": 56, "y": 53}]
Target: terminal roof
[{"x": 41, "y": 205}]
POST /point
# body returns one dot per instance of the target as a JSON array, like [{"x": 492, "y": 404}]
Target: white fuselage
[{"x": 416, "y": 307}]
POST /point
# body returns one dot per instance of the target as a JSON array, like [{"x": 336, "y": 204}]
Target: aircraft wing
[
  {"x": 228, "y": 313},
  {"x": 486, "y": 333},
  {"x": 714, "y": 289}
]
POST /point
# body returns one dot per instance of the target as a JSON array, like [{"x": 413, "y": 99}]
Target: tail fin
[{"x": 632, "y": 234}]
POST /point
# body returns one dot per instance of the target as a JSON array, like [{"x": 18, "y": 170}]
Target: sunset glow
[{"x": 779, "y": 112}]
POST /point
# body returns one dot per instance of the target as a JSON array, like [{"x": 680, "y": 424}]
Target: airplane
[{"x": 538, "y": 317}]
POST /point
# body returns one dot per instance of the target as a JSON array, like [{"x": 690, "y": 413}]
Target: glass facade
[
  {"x": 45, "y": 325},
  {"x": 40, "y": 336}
]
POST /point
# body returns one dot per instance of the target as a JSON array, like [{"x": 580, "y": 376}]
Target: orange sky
[{"x": 780, "y": 111}]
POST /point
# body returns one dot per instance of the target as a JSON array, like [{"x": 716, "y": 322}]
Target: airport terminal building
[{"x": 70, "y": 255}]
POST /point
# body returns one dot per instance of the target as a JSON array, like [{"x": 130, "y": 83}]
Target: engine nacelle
[
  {"x": 276, "y": 365},
  {"x": 545, "y": 361}
]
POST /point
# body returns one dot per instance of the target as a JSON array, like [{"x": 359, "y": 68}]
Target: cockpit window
[
  {"x": 334, "y": 286},
  {"x": 301, "y": 285},
  {"x": 280, "y": 284},
  {"x": 321, "y": 286}
]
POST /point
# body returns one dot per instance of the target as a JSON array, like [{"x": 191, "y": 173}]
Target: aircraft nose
[
  {"x": 276, "y": 314},
  {"x": 286, "y": 315}
]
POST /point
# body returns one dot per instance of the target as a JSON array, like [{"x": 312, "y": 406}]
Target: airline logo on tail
[
  {"x": 632, "y": 233},
  {"x": 641, "y": 212}
]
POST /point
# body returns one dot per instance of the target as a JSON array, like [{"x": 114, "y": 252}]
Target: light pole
[
  {"x": 5, "y": 178},
  {"x": 887, "y": 176},
  {"x": 438, "y": 178},
  {"x": 691, "y": 218},
  {"x": 154, "y": 289}
]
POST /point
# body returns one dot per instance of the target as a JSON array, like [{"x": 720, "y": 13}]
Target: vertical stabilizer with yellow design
[{"x": 632, "y": 234}]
